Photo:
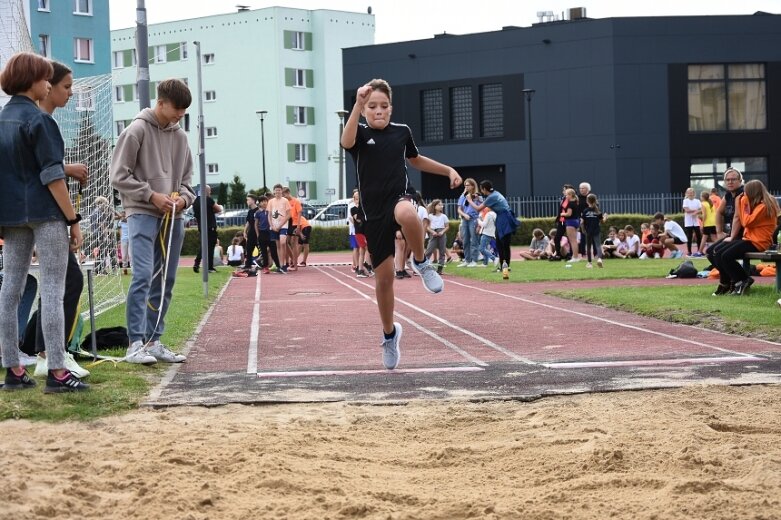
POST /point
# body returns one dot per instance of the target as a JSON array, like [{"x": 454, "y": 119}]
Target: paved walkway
[{"x": 314, "y": 336}]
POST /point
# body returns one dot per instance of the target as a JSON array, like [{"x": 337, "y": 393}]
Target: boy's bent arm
[
  {"x": 351, "y": 127},
  {"x": 123, "y": 164},
  {"x": 425, "y": 164}
]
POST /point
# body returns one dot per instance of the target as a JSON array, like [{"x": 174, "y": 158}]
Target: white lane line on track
[
  {"x": 306, "y": 373},
  {"x": 606, "y": 320},
  {"x": 654, "y": 362},
  {"x": 452, "y": 346},
  {"x": 477, "y": 337},
  {"x": 254, "y": 332}
]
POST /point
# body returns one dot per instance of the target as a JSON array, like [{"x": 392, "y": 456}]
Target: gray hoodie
[{"x": 149, "y": 158}]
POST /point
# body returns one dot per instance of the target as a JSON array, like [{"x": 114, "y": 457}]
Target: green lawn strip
[
  {"x": 545, "y": 271},
  {"x": 755, "y": 314},
  {"x": 118, "y": 388}
]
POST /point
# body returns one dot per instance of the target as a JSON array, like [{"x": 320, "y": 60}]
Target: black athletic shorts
[
  {"x": 305, "y": 234},
  {"x": 381, "y": 233}
]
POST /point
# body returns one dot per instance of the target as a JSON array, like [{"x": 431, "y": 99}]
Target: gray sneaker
[
  {"x": 428, "y": 273},
  {"x": 161, "y": 353},
  {"x": 390, "y": 348},
  {"x": 137, "y": 354}
]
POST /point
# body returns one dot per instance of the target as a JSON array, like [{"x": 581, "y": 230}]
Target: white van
[{"x": 335, "y": 214}]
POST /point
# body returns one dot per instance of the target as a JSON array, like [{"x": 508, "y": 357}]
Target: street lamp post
[
  {"x": 262, "y": 115},
  {"x": 528, "y": 93},
  {"x": 342, "y": 115}
]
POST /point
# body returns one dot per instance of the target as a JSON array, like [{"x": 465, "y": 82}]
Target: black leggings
[
  {"x": 726, "y": 257},
  {"x": 503, "y": 245},
  {"x": 561, "y": 231},
  {"x": 690, "y": 232}
]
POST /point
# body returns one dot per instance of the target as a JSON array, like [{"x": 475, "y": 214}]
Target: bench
[{"x": 767, "y": 257}]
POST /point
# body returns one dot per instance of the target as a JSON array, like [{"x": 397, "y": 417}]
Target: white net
[{"x": 86, "y": 125}]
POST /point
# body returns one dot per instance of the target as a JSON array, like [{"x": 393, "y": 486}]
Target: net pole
[{"x": 142, "y": 52}]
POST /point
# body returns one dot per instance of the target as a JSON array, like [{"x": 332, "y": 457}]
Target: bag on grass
[
  {"x": 685, "y": 270},
  {"x": 105, "y": 338}
]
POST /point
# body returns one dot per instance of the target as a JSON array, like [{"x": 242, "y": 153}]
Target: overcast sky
[{"x": 400, "y": 20}]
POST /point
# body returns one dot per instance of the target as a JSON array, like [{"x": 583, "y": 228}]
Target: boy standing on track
[
  {"x": 152, "y": 169},
  {"x": 278, "y": 220},
  {"x": 379, "y": 149}
]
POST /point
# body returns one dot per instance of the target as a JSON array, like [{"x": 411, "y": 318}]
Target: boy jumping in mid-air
[
  {"x": 379, "y": 149},
  {"x": 152, "y": 169}
]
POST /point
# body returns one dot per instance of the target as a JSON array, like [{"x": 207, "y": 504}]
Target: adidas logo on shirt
[{"x": 370, "y": 141}]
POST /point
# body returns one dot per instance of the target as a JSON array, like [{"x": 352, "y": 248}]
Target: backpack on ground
[{"x": 685, "y": 270}]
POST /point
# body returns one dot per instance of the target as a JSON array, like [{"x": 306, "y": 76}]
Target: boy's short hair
[
  {"x": 659, "y": 216},
  {"x": 22, "y": 70},
  {"x": 382, "y": 86},
  {"x": 60, "y": 71},
  {"x": 538, "y": 233},
  {"x": 252, "y": 196},
  {"x": 175, "y": 91},
  {"x": 629, "y": 227},
  {"x": 278, "y": 186},
  {"x": 262, "y": 198},
  {"x": 286, "y": 189}
]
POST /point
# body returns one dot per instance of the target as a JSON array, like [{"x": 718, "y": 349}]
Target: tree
[
  {"x": 222, "y": 194},
  {"x": 238, "y": 192}
]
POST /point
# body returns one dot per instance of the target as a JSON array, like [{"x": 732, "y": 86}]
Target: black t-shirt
[
  {"x": 211, "y": 218},
  {"x": 357, "y": 214},
  {"x": 380, "y": 159},
  {"x": 251, "y": 222},
  {"x": 729, "y": 207},
  {"x": 591, "y": 219}
]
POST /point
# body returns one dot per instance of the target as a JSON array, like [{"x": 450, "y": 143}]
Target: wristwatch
[{"x": 75, "y": 220}]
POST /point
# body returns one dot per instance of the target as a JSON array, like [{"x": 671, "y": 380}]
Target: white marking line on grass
[
  {"x": 254, "y": 332},
  {"x": 305, "y": 373},
  {"x": 452, "y": 346},
  {"x": 653, "y": 362},
  {"x": 606, "y": 320}
]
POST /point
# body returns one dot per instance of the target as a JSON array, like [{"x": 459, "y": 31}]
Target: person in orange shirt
[
  {"x": 714, "y": 198},
  {"x": 303, "y": 231},
  {"x": 756, "y": 217},
  {"x": 293, "y": 225}
]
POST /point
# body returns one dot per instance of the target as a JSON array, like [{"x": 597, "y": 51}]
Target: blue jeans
[
  {"x": 485, "y": 249},
  {"x": 146, "y": 286},
  {"x": 470, "y": 239}
]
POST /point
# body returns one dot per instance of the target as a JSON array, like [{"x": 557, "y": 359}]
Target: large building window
[
  {"x": 491, "y": 110},
  {"x": 727, "y": 97},
  {"x": 44, "y": 45},
  {"x": 82, "y": 50},
  {"x": 461, "y": 113},
  {"x": 707, "y": 173},
  {"x": 432, "y": 115}
]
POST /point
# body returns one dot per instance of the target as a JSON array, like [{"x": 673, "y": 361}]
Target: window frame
[
  {"x": 300, "y": 154},
  {"x": 44, "y": 45},
  {"x": 299, "y": 116},
  {"x": 161, "y": 57},
  {"x": 209, "y": 99},
  {"x": 299, "y": 74},
  {"x": 725, "y": 81},
  {"x": 76, "y": 6},
  {"x": 44, "y": 6},
  {"x": 212, "y": 168},
  {"x": 299, "y": 41},
  {"x": 210, "y": 132},
  {"x": 77, "y": 49},
  {"x": 208, "y": 58}
]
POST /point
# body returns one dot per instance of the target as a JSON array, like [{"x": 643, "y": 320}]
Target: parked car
[
  {"x": 308, "y": 210},
  {"x": 335, "y": 214},
  {"x": 234, "y": 217}
]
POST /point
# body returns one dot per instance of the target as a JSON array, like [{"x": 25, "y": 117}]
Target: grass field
[{"x": 120, "y": 387}]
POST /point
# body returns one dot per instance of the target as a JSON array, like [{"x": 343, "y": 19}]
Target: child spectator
[
  {"x": 632, "y": 242},
  {"x": 708, "y": 223},
  {"x": 571, "y": 216},
  {"x": 592, "y": 216},
  {"x": 692, "y": 207},
  {"x": 645, "y": 230},
  {"x": 537, "y": 247},
  {"x": 551, "y": 250},
  {"x": 622, "y": 247},
  {"x": 351, "y": 230},
  {"x": 219, "y": 253},
  {"x": 437, "y": 224},
  {"x": 672, "y": 235},
  {"x": 652, "y": 246},
  {"x": 610, "y": 243},
  {"x": 457, "y": 249},
  {"x": 235, "y": 253},
  {"x": 487, "y": 226},
  {"x": 358, "y": 236}
]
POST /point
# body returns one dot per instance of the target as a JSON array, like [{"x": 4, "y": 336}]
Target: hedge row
[{"x": 335, "y": 238}]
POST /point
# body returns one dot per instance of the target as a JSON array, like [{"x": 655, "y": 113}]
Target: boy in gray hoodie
[{"x": 152, "y": 170}]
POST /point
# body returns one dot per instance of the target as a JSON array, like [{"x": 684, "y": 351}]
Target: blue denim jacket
[{"x": 31, "y": 157}]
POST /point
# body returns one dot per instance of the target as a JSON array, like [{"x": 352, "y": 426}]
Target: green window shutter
[
  {"x": 127, "y": 95},
  {"x": 310, "y": 153},
  {"x": 290, "y": 77},
  {"x": 309, "y": 77},
  {"x": 310, "y": 115},
  {"x": 173, "y": 51},
  {"x": 308, "y": 41},
  {"x": 291, "y": 153},
  {"x": 150, "y": 54},
  {"x": 287, "y": 39},
  {"x": 127, "y": 58},
  {"x": 152, "y": 89},
  {"x": 291, "y": 116}
]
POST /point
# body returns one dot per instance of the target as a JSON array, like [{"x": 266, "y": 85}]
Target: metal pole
[
  {"x": 202, "y": 170},
  {"x": 262, "y": 115},
  {"x": 528, "y": 93},
  {"x": 342, "y": 181},
  {"x": 142, "y": 55}
]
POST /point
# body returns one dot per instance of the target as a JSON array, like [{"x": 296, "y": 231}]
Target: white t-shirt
[
  {"x": 437, "y": 221},
  {"x": 422, "y": 213},
  {"x": 350, "y": 223},
  {"x": 488, "y": 224},
  {"x": 632, "y": 242},
  {"x": 235, "y": 252},
  {"x": 674, "y": 229},
  {"x": 691, "y": 219}
]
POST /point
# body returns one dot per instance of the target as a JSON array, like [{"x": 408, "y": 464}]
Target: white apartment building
[{"x": 284, "y": 62}]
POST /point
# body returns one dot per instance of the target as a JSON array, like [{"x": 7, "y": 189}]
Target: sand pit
[{"x": 703, "y": 452}]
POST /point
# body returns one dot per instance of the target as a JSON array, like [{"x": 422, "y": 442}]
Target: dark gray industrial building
[{"x": 634, "y": 105}]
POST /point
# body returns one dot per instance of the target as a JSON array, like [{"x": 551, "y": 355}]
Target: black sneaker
[
  {"x": 722, "y": 289},
  {"x": 439, "y": 269},
  {"x": 14, "y": 382},
  {"x": 196, "y": 268},
  {"x": 405, "y": 274},
  {"x": 367, "y": 267},
  {"x": 70, "y": 383},
  {"x": 743, "y": 287},
  {"x": 362, "y": 274},
  {"x": 399, "y": 275}
]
